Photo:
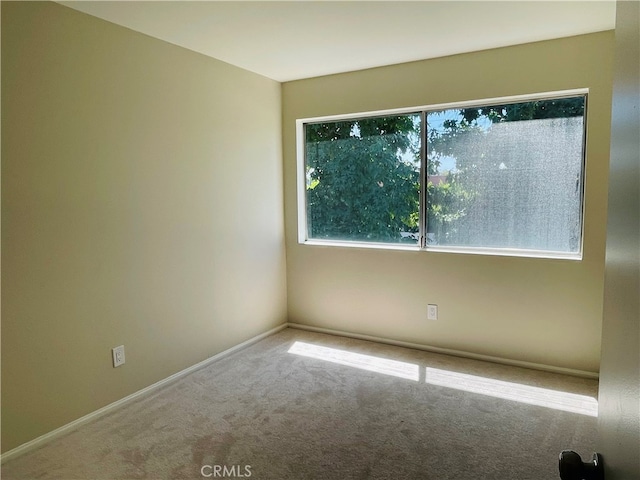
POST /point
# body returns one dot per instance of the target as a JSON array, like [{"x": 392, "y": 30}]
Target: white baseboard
[
  {"x": 448, "y": 351},
  {"x": 47, "y": 437}
]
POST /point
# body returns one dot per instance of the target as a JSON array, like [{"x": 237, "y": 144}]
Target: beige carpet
[{"x": 329, "y": 407}]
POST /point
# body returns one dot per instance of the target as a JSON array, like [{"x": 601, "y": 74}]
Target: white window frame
[{"x": 422, "y": 244}]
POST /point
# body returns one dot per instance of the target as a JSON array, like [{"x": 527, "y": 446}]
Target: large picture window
[{"x": 504, "y": 177}]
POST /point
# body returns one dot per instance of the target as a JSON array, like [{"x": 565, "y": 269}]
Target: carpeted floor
[{"x": 332, "y": 408}]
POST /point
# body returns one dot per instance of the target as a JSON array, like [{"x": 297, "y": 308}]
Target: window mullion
[{"x": 423, "y": 181}]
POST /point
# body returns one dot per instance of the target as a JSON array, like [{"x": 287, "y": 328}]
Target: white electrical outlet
[
  {"x": 432, "y": 312},
  {"x": 118, "y": 355}
]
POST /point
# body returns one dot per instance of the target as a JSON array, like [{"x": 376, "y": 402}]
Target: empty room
[{"x": 320, "y": 240}]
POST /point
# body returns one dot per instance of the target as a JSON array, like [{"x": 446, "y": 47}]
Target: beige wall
[
  {"x": 141, "y": 205},
  {"x": 619, "y": 396},
  {"x": 536, "y": 310}
]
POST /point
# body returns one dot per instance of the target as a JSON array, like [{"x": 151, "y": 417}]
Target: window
[{"x": 496, "y": 177}]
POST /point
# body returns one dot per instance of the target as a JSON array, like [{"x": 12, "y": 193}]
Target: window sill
[
  {"x": 503, "y": 252},
  {"x": 375, "y": 246},
  {"x": 507, "y": 252}
]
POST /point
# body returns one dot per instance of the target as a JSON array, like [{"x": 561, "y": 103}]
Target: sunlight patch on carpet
[
  {"x": 565, "y": 401},
  {"x": 569, "y": 402},
  {"x": 409, "y": 371}
]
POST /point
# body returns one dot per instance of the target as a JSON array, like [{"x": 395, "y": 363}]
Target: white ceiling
[{"x": 290, "y": 40}]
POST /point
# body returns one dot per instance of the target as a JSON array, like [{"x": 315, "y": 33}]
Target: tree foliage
[{"x": 363, "y": 178}]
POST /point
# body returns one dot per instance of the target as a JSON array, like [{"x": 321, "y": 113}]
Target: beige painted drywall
[
  {"x": 535, "y": 310},
  {"x": 141, "y": 205},
  {"x": 619, "y": 395}
]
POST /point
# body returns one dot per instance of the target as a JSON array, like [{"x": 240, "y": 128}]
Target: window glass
[
  {"x": 506, "y": 176},
  {"x": 363, "y": 179}
]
